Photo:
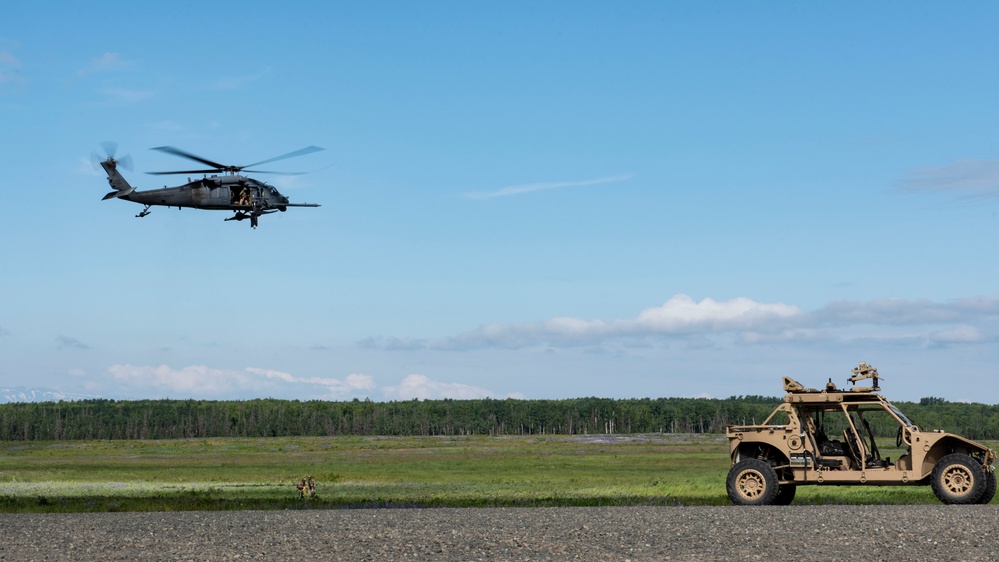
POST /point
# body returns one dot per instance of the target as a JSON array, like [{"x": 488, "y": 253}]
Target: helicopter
[{"x": 226, "y": 189}]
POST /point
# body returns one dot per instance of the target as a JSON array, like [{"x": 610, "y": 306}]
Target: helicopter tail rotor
[
  {"x": 110, "y": 165},
  {"x": 110, "y": 149}
]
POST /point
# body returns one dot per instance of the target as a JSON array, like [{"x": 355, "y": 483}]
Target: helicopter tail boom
[
  {"x": 121, "y": 186},
  {"x": 116, "y": 194}
]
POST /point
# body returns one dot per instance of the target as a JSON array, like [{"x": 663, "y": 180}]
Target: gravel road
[{"x": 924, "y": 532}]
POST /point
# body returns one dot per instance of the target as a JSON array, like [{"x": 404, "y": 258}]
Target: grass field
[{"x": 358, "y": 472}]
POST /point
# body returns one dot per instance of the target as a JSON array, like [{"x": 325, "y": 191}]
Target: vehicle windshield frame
[{"x": 898, "y": 413}]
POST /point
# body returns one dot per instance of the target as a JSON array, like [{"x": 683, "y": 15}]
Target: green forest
[{"x": 178, "y": 419}]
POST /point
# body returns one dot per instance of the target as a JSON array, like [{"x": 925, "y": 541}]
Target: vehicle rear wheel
[
  {"x": 958, "y": 478},
  {"x": 990, "y": 486},
  {"x": 785, "y": 494},
  {"x": 752, "y": 482}
]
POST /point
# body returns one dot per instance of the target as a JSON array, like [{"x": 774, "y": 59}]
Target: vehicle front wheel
[
  {"x": 752, "y": 482},
  {"x": 958, "y": 478}
]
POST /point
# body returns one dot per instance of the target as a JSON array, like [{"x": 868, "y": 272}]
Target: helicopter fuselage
[{"x": 217, "y": 193}]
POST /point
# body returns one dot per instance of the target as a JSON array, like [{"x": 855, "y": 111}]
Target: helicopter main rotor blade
[
  {"x": 189, "y": 156},
  {"x": 275, "y": 173},
  {"x": 229, "y": 169},
  {"x": 300, "y": 152},
  {"x": 212, "y": 171}
]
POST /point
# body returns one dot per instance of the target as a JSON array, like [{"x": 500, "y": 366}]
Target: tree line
[{"x": 177, "y": 419}]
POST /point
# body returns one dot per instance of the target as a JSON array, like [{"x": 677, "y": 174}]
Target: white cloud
[
  {"x": 742, "y": 321},
  {"x": 239, "y": 82},
  {"x": 334, "y": 387},
  {"x": 205, "y": 382},
  {"x": 961, "y": 333},
  {"x": 66, "y": 342},
  {"x": 681, "y": 315},
  {"x": 783, "y": 336},
  {"x": 393, "y": 344},
  {"x": 424, "y": 388},
  {"x": 199, "y": 381},
  {"x": 976, "y": 178},
  {"x": 191, "y": 381},
  {"x": 528, "y": 188},
  {"x": 893, "y": 312},
  {"x": 104, "y": 63},
  {"x": 949, "y": 321},
  {"x": 682, "y": 335}
]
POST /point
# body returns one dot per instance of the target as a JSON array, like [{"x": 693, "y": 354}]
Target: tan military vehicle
[{"x": 828, "y": 437}]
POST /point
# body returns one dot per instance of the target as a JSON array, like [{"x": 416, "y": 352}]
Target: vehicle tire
[
  {"x": 752, "y": 482},
  {"x": 958, "y": 478},
  {"x": 990, "y": 486},
  {"x": 785, "y": 494}
]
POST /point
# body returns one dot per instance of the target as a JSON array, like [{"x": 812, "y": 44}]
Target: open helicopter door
[{"x": 241, "y": 196}]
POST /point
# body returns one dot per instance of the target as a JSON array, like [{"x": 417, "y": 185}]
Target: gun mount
[{"x": 862, "y": 372}]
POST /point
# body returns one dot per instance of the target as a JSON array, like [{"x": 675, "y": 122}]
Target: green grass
[{"x": 475, "y": 471}]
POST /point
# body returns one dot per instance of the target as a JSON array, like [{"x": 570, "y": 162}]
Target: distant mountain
[{"x": 25, "y": 394}]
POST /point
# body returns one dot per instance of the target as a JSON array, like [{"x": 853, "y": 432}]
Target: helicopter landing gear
[
  {"x": 240, "y": 215},
  {"x": 144, "y": 212}
]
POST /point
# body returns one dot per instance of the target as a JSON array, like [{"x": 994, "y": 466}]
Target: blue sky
[{"x": 538, "y": 200}]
